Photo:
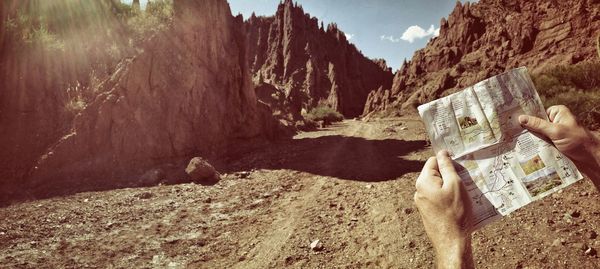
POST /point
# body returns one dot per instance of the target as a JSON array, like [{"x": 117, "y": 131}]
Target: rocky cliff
[
  {"x": 188, "y": 93},
  {"x": 37, "y": 67},
  {"x": 311, "y": 64},
  {"x": 479, "y": 40}
]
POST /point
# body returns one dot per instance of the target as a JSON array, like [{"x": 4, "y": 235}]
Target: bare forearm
[
  {"x": 590, "y": 165},
  {"x": 455, "y": 256}
]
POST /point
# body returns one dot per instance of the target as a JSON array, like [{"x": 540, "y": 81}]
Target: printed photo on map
[
  {"x": 532, "y": 165},
  {"x": 466, "y": 122},
  {"x": 542, "y": 181}
]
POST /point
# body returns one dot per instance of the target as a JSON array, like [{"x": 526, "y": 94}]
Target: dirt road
[{"x": 349, "y": 186}]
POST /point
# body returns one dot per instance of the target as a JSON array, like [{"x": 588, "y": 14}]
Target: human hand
[
  {"x": 569, "y": 137},
  {"x": 446, "y": 211}
]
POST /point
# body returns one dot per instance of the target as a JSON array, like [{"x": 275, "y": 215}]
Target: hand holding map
[{"x": 502, "y": 165}]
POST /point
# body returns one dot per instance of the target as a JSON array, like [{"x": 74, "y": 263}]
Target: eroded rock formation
[
  {"x": 310, "y": 64},
  {"x": 188, "y": 93},
  {"x": 37, "y": 69},
  {"x": 479, "y": 40}
]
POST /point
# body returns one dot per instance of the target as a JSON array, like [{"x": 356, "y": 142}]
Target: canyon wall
[
  {"x": 479, "y": 40},
  {"x": 311, "y": 64},
  {"x": 188, "y": 93}
]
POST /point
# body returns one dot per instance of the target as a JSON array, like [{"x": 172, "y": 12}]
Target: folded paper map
[{"x": 502, "y": 165}]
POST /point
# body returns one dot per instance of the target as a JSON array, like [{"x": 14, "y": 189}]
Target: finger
[
  {"x": 536, "y": 124},
  {"x": 564, "y": 115},
  {"x": 446, "y": 167},
  {"x": 552, "y": 112},
  {"x": 429, "y": 177},
  {"x": 431, "y": 167}
]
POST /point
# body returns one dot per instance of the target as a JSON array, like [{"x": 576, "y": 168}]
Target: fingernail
[
  {"x": 523, "y": 119},
  {"x": 444, "y": 153}
]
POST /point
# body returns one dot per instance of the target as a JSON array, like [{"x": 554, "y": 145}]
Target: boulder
[{"x": 201, "y": 171}]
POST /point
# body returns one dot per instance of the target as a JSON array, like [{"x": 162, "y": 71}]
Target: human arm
[
  {"x": 579, "y": 144},
  {"x": 445, "y": 210}
]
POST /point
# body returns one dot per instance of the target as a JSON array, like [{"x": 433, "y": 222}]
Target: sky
[{"x": 388, "y": 29}]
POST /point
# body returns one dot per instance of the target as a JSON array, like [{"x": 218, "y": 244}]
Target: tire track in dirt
[{"x": 291, "y": 214}]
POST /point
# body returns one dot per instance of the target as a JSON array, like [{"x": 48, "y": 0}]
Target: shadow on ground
[{"x": 350, "y": 158}]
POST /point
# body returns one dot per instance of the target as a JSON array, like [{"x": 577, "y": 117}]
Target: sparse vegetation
[
  {"x": 155, "y": 18},
  {"x": 27, "y": 32},
  {"x": 576, "y": 86},
  {"x": 324, "y": 113}
]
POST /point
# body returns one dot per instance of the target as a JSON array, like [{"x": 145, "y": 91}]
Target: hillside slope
[{"x": 479, "y": 40}]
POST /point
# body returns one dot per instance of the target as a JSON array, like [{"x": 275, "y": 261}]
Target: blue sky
[{"x": 388, "y": 29}]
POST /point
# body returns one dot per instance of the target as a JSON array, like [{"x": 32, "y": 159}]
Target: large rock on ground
[
  {"x": 479, "y": 40},
  {"x": 201, "y": 171},
  {"x": 188, "y": 93}
]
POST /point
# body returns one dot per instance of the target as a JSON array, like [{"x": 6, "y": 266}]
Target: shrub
[
  {"x": 576, "y": 86},
  {"x": 156, "y": 18},
  {"x": 24, "y": 31},
  {"x": 76, "y": 101},
  {"x": 306, "y": 125},
  {"x": 324, "y": 113}
]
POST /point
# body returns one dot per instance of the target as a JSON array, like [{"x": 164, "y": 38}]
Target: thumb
[{"x": 536, "y": 124}]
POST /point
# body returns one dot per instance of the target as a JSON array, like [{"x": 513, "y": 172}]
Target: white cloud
[
  {"x": 349, "y": 36},
  {"x": 389, "y": 38},
  {"x": 416, "y": 32}
]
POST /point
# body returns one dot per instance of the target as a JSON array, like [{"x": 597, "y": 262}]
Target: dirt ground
[{"x": 349, "y": 186}]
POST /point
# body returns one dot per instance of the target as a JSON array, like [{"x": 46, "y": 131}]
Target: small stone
[
  {"x": 86, "y": 200},
  {"x": 316, "y": 245},
  {"x": 404, "y": 128},
  {"x": 243, "y": 174},
  {"x": 592, "y": 235},
  {"x": 558, "y": 242},
  {"x": 207, "y": 200},
  {"x": 575, "y": 214},
  {"x": 408, "y": 210},
  {"x": 369, "y": 186},
  {"x": 144, "y": 195},
  {"x": 590, "y": 252},
  {"x": 580, "y": 246}
]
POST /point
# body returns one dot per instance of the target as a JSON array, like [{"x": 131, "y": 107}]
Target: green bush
[
  {"x": 575, "y": 86},
  {"x": 25, "y": 31},
  {"x": 324, "y": 113},
  {"x": 156, "y": 18}
]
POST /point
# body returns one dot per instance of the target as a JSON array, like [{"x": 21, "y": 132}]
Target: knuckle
[
  {"x": 563, "y": 108},
  {"x": 419, "y": 184},
  {"x": 534, "y": 122}
]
